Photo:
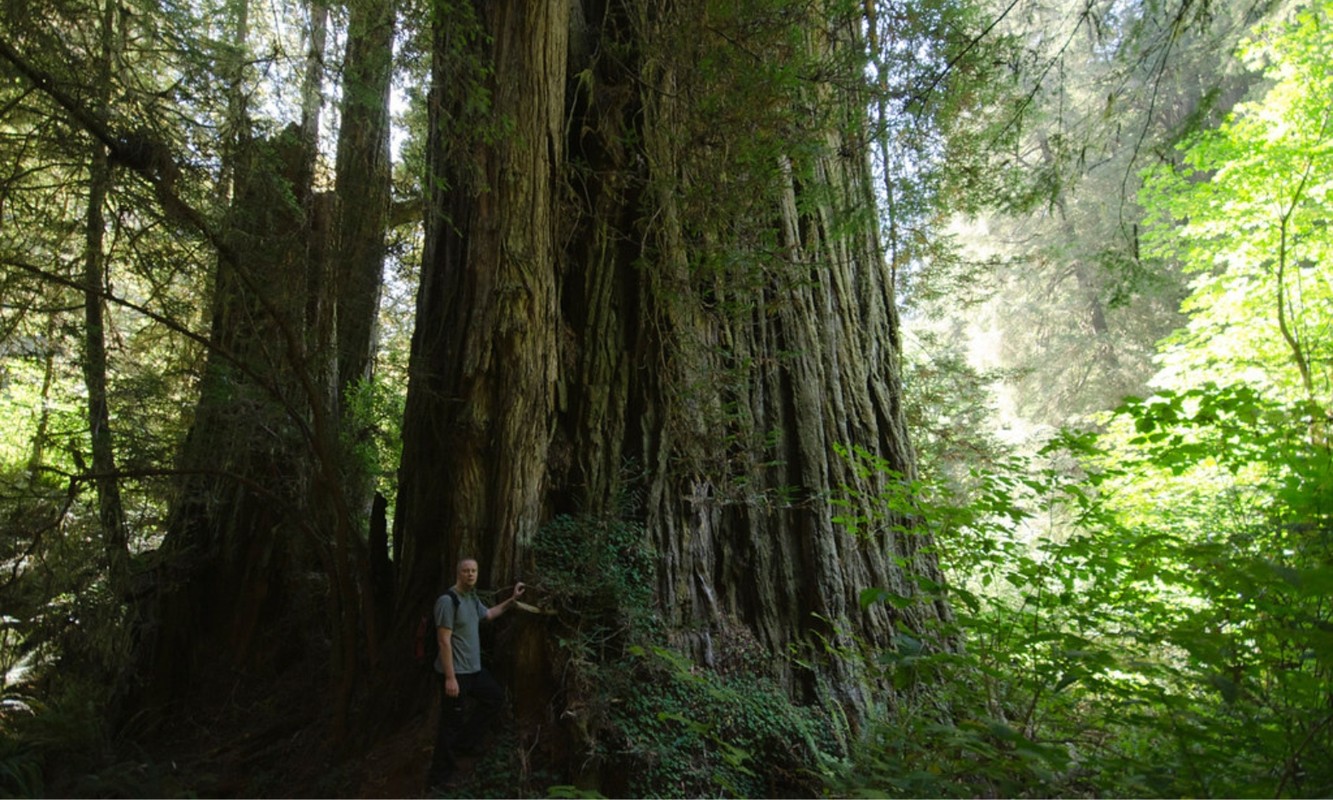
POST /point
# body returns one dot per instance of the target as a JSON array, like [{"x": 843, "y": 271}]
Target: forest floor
[
  {"x": 272, "y": 741},
  {"x": 268, "y": 741}
]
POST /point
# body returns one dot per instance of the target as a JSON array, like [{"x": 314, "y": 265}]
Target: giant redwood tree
[{"x": 652, "y": 287}]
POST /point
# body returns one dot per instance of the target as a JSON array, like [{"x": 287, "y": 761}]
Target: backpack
[{"x": 426, "y": 644}]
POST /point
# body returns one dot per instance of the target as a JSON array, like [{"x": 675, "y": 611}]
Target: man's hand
[
  {"x": 451, "y": 687},
  {"x": 497, "y": 610}
]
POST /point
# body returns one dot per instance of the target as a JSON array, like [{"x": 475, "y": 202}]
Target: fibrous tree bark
[
  {"x": 484, "y": 370},
  {"x": 652, "y": 270}
]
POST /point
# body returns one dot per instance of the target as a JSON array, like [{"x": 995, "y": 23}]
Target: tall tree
[
  {"x": 363, "y": 170},
  {"x": 651, "y": 288},
  {"x": 110, "y": 510},
  {"x": 363, "y": 175},
  {"x": 651, "y": 272},
  {"x": 259, "y": 502},
  {"x": 235, "y": 536}
]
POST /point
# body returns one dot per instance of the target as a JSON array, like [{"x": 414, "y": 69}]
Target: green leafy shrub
[
  {"x": 21, "y": 764},
  {"x": 1144, "y": 612},
  {"x": 681, "y": 731},
  {"x": 598, "y": 572},
  {"x": 60, "y": 746},
  {"x": 372, "y": 432},
  {"x": 648, "y": 721}
]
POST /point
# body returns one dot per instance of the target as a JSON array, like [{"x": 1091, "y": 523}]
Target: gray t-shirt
[{"x": 464, "y": 624}]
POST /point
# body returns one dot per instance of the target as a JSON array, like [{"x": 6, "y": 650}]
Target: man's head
[{"x": 467, "y": 574}]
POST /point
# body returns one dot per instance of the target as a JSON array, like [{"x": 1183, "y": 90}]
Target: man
[{"x": 458, "y": 615}]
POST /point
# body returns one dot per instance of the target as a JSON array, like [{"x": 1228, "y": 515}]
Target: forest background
[{"x": 909, "y": 398}]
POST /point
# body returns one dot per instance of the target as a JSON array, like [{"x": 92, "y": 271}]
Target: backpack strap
[{"x": 476, "y": 601}]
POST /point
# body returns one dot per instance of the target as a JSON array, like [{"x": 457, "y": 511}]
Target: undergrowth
[
  {"x": 1145, "y": 611},
  {"x": 646, "y": 719}
]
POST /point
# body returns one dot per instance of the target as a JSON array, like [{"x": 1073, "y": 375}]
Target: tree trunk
[
  {"x": 242, "y": 521},
  {"x": 363, "y": 182},
  {"x": 669, "y": 259},
  {"x": 262, "y": 552},
  {"x": 109, "y": 507},
  {"x": 483, "y": 367},
  {"x": 312, "y": 87},
  {"x": 773, "y": 359},
  {"x": 233, "y": 68},
  {"x": 40, "y": 434}
]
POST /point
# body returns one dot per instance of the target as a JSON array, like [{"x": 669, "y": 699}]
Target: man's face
[{"x": 467, "y": 574}]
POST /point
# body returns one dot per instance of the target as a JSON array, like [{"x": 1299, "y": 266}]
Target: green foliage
[
  {"x": 1046, "y": 171},
  {"x": 682, "y": 731},
  {"x": 1247, "y": 212},
  {"x": 60, "y": 747},
  {"x": 52, "y": 590},
  {"x": 1175, "y": 617},
  {"x": 949, "y": 408},
  {"x": 1145, "y": 610},
  {"x": 945, "y": 97},
  {"x": 372, "y": 432},
  {"x": 62, "y": 643},
  {"x": 653, "y": 722},
  {"x": 598, "y": 571},
  {"x": 572, "y": 792}
]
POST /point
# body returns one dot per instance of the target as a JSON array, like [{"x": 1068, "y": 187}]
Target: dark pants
[{"x": 458, "y": 730}]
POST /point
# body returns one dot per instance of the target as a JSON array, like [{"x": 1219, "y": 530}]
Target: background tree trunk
[
  {"x": 363, "y": 182},
  {"x": 242, "y": 522},
  {"x": 109, "y": 507},
  {"x": 363, "y": 204}
]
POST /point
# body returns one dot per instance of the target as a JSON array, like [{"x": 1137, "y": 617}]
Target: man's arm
[
  {"x": 497, "y": 610},
  {"x": 445, "y": 638}
]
